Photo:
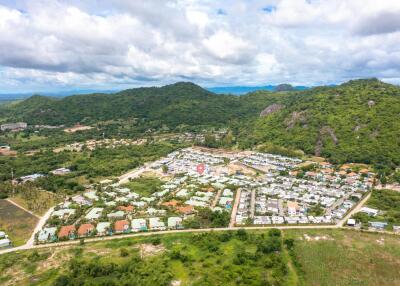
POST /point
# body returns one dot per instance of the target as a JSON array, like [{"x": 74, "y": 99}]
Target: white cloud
[{"x": 120, "y": 43}]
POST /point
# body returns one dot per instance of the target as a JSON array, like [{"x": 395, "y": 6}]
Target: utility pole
[{"x": 12, "y": 181}]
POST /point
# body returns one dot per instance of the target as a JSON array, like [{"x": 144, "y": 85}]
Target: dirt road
[{"x": 21, "y": 207}]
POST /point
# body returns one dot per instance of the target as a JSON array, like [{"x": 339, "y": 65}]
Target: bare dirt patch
[
  {"x": 176, "y": 283},
  {"x": 317, "y": 238},
  {"x": 150, "y": 249}
]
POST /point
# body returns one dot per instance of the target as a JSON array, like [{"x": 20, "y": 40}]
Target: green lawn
[{"x": 144, "y": 186}]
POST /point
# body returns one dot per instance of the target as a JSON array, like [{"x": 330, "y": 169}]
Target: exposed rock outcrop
[
  {"x": 324, "y": 131},
  {"x": 296, "y": 116},
  {"x": 271, "y": 109}
]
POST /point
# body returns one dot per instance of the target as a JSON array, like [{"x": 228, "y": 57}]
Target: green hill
[
  {"x": 358, "y": 121},
  {"x": 172, "y": 105}
]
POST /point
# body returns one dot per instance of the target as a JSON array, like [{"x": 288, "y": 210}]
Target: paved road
[{"x": 39, "y": 226}]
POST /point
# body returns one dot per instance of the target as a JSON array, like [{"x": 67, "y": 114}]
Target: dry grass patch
[{"x": 16, "y": 222}]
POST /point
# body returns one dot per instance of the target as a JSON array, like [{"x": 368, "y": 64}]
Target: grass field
[
  {"x": 144, "y": 186},
  {"x": 319, "y": 257},
  {"x": 339, "y": 257},
  {"x": 17, "y": 223}
]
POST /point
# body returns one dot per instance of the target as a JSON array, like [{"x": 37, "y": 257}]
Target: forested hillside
[
  {"x": 172, "y": 105},
  {"x": 358, "y": 121}
]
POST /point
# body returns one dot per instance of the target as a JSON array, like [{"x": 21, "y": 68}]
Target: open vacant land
[
  {"x": 339, "y": 257},
  {"x": 289, "y": 257},
  {"x": 36, "y": 201},
  {"x": 16, "y": 222},
  {"x": 226, "y": 258}
]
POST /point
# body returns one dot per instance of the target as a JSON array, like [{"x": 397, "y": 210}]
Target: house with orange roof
[
  {"x": 121, "y": 226},
  {"x": 345, "y": 167},
  {"x": 85, "y": 229},
  {"x": 67, "y": 231},
  {"x": 327, "y": 171},
  {"x": 324, "y": 164},
  {"x": 292, "y": 208},
  {"x": 172, "y": 203},
  {"x": 127, "y": 209},
  {"x": 186, "y": 210}
]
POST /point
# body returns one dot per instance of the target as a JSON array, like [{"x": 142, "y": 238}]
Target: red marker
[{"x": 200, "y": 168}]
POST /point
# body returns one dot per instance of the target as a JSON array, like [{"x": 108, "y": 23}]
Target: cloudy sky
[{"x": 114, "y": 44}]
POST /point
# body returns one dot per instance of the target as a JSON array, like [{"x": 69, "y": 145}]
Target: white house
[
  {"x": 103, "y": 227},
  {"x": 351, "y": 222},
  {"x": 139, "y": 224},
  {"x": 174, "y": 222},
  {"x": 369, "y": 211},
  {"x": 117, "y": 214},
  {"x": 63, "y": 213},
  {"x": 156, "y": 224},
  {"x": 47, "y": 234},
  {"x": 94, "y": 213}
]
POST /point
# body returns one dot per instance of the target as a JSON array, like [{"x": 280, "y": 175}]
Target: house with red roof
[
  {"x": 67, "y": 231},
  {"x": 85, "y": 229},
  {"x": 121, "y": 226}
]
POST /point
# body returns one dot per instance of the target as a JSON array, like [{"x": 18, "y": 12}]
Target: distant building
[
  {"x": 351, "y": 222},
  {"x": 61, "y": 171},
  {"x": 369, "y": 211},
  {"x": 377, "y": 224},
  {"x": 77, "y": 127},
  {"x": 14, "y": 126},
  {"x": 31, "y": 178}
]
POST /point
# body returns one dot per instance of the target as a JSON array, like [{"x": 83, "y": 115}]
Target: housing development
[{"x": 253, "y": 188}]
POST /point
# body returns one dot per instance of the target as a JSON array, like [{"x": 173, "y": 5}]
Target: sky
[{"x": 115, "y": 44}]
